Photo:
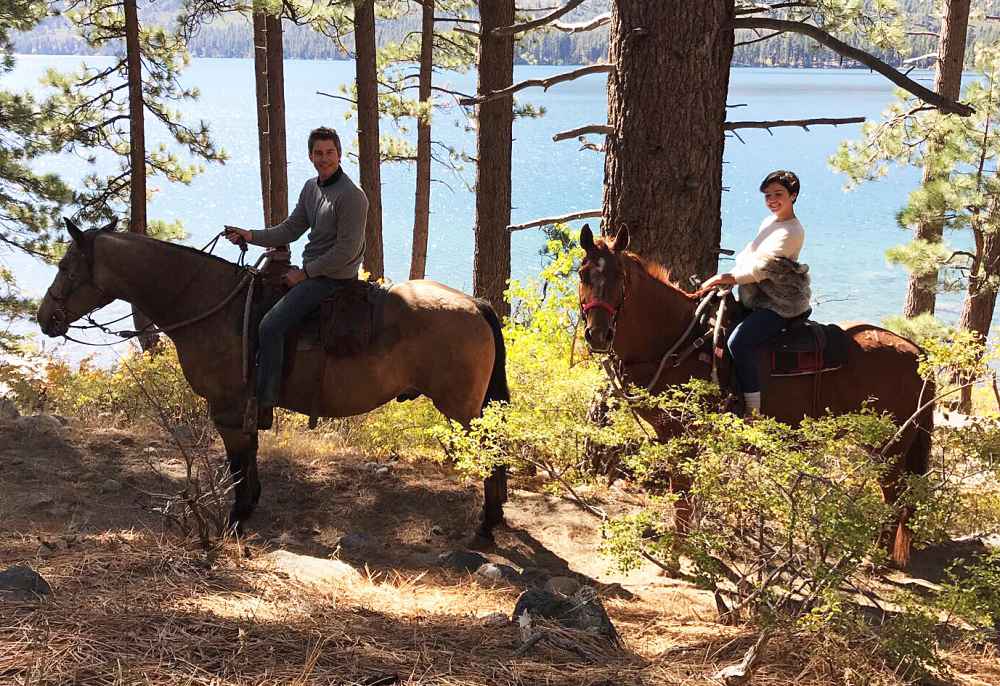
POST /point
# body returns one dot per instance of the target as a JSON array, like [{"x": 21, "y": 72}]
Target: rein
[{"x": 127, "y": 334}]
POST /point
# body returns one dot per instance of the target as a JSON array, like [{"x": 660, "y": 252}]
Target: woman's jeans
[
  {"x": 758, "y": 328},
  {"x": 297, "y": 303}
]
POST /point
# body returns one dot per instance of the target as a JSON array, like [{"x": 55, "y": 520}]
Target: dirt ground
[{"x": 131, "y": 604}]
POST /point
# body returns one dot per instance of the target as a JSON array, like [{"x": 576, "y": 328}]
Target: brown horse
[
  {"x": 435, "y": 341},
  {"x": 632, "y": 308}
]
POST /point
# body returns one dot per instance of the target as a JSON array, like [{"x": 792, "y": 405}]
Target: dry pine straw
[{"x": 131, "y": 608}]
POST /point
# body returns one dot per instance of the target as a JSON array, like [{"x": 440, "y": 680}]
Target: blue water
[{"x": 847, "y": 234}]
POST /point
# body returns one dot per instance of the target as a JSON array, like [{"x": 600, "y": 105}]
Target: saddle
[
  {"x": 344, "y": 324},
  {"x": 807, "y": 347}
]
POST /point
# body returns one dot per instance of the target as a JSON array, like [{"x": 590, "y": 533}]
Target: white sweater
[{"x": 774, "y": 239}]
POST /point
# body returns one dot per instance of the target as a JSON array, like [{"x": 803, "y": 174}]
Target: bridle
[
  {"x": 72, "y": 282},
  {"x": 614, "y": 371}
]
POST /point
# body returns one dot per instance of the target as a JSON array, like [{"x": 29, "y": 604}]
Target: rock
[
  {"x": 382, "y": 471},
  {"x": 562, "y": 586},
  {"x": 109, "y": 486},
  {"x": 21, "y": 582},
  {"x": 462, "y": 560},
  {"x": 354, "y": 541},
  {"x": 8, "y": 410},
  {"x": 496, "y": 573},
  {"x": 437, "y": 531},
  {"x": 582, "y": 611},
  {"x": 371, "y": 466},
  {"x": 41, "y": 424},
  {"x": 62, "y": 420},
  {"x": 534, "y": 576},
  {"x": 496, "y": 619},
  {"x": 312, "y": 570}
]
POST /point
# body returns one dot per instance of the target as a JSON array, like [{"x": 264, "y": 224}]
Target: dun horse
[
  {"x": 632, "y": 309},
  {"x": 434, "y": 341}
]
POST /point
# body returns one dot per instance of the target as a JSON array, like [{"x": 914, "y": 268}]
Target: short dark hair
[
  {"x": 784, "y": 178},
  {"x": 324, "y": 133}
]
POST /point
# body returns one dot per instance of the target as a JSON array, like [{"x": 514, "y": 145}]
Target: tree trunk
[
  {"x": 260, "y": 81},
  {"x": 494, "y": 136},
  {"x": 137, "y": 152},
  {"x": 667, "y": 105},
  {"x": 278, "y": 157},
  {"x": 368, "y": 134},
  {"x": 921, "y": 291},
  {"x": 422, "y": 205},
  {"x": 137, "y": 134},
  {"x": 977, "y": 311}
]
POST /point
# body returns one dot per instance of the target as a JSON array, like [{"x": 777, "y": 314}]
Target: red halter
[{"x": 600, "y": 305}]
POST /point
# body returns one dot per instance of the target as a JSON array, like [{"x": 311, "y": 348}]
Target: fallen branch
[
  {"x": 823, "y": 38},
  {"x": 583, "y": 26},
  {"x": 738, "y": 674},
  {"x": 541, "y": 21},
  {"x": 602, "y": 129},
  {"x": 547, "y": 221},
  {"x": 804, "y": 123},
  {"x": 539, "y": 83}
]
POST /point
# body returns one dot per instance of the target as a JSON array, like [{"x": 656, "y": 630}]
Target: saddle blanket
[{"x": 808, "y": 348}]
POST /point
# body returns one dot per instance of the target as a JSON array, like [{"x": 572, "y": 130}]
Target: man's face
[{"x": 325, "y": 157}]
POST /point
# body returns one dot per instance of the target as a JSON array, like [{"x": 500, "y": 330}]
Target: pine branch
[
  {"x": 541, "y": 21},
  {"x": 601, "y": 129},
  {"x": 547, "y": 221},
  {"x": 850, "y": 52},
  {"x": 804, "y": 123},
  {"x": 770, "y": 8},
  {"x": 584, "y": 26},
  {"x": 539, "y": 83}
]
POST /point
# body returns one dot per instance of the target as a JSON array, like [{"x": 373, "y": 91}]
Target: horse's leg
[
  {"x": 241, "y": 451},
  {"x": 495, "y": 485}
]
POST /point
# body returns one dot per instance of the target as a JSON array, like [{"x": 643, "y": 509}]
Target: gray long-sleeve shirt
[{"x": 337, "y": 212}]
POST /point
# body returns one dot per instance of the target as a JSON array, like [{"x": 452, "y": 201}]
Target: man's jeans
[
  {"x": 301, "y": 300},
  {"x": 758, "y": 328}
]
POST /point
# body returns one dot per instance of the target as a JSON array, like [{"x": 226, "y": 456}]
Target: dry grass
[{"x": 136, "y": 607}]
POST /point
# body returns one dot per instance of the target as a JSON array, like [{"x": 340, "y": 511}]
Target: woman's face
[{"x": 778, "y": 200}]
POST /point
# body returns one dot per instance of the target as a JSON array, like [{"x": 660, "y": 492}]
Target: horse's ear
[
  {"x": 74, "y": 231},
  {"x": 110, "y": 226},
  {"x": 621, "y": 240},
  {"x": 587, "y": 239}
]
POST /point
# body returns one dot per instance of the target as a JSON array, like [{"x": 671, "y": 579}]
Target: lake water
[{"x": 847, "y": 234}]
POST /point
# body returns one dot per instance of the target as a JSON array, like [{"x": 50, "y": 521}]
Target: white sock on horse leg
[{"x": 752, "y": 402}]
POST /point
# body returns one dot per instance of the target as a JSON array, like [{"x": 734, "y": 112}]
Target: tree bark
[
  {"x": 494, "y": 140},
  {"x": 921, "y": 291},
  {"x": 422, "y": 204},
  {"x": 137, "y": 134},
  {"x": 278, "y": 155},
  {"x": 137, "y": 152},
  {"x": 260, "y": 82},
  {"x": 368, "y": 134},
  {"x": 981, "y": 299},
  {"x": 667, "y": 104}
]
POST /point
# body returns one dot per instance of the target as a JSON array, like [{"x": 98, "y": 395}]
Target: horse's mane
[
  {"x": 179, "y": 246},
  {"x": 659, "y": 273}
]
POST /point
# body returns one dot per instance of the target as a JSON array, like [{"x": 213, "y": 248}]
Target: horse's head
[
  {"x": 73, "y": 293},
  {"x": 602, "y": 286}
]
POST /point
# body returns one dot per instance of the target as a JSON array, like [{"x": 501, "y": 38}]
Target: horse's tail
[
  {"x": 917, "y": 461},
  {"x": 497, "y": 390}
]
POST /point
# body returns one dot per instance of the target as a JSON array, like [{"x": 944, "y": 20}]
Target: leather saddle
[
  {"x": 344, "y": 324},
  {"x": 804, "y": 347}
]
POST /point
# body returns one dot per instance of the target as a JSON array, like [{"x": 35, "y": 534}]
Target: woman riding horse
[{"x": 775, "y": 249}]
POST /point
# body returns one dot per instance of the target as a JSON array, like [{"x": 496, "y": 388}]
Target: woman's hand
[{"x": 716, "y": 281}]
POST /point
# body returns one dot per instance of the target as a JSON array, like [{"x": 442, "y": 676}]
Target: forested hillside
[{"x": 230, "y": 37}]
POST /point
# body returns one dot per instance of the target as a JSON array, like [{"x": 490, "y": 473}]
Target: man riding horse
[{"x": 336, "y": 210}]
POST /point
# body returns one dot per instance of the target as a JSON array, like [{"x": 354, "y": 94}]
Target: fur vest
[{"x": 785, "y": 290}]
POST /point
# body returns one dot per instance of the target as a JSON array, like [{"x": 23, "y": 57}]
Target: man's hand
[
  {"x": 293, "y": 277},
  {"x": 236, "y": 235}
]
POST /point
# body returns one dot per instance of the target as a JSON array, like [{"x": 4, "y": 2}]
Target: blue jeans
[
  {"x": 758, "y": 328},
  {"x": 301, "y": 300}
]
